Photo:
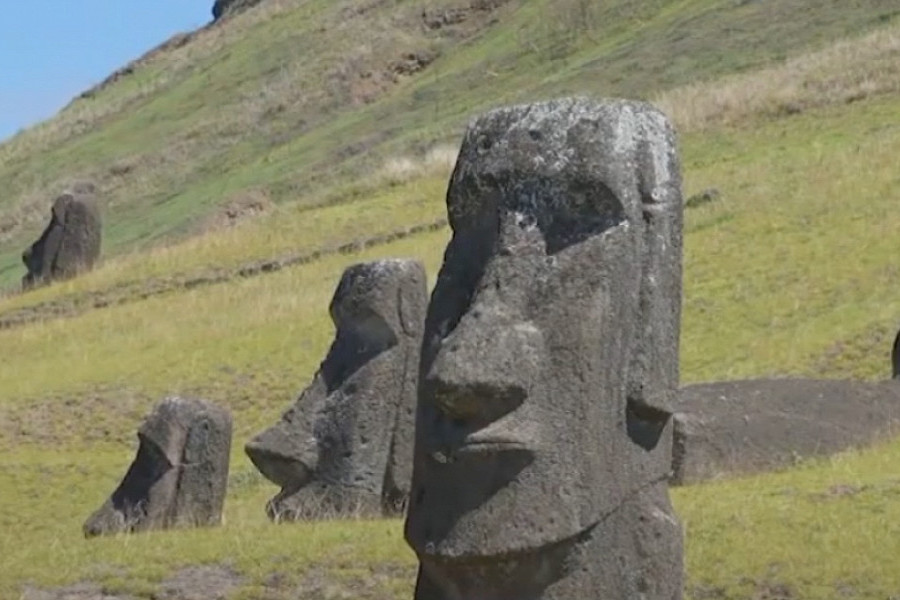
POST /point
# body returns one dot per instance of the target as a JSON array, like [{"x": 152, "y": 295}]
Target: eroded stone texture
[
  {"x": 70, "y": 243},
  {"x": 345, "y": 446},
  {"x": 550, "y": 362},
  {"x": 180, "y": 473},
  {"x": 739, "y": 427}
]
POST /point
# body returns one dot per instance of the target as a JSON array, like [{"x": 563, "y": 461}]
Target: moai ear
[{"x": 411, "y": 301}]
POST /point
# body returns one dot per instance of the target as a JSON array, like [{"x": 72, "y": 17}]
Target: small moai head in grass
[
  {"x": 345, "y": 446},
  {"x": 69, "y": 244},
  {"x": 179, "y": 476},
  {"x": 550, "y": 361}
]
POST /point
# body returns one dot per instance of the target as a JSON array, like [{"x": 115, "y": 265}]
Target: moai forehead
[
  {"x": 387, "y": 289},
  {"x": 574, "y": 166}
]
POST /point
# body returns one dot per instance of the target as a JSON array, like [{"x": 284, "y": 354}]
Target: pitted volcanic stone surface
[
  {"x": 179, "y": 476},
  {"x": 550, "y": 361},
  {"x": 345, "y": 446}
]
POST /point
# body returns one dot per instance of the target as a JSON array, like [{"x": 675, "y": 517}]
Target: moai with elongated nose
[
  {"x": 180, "y": 473},
  {"x": 70, "y": 244},
  {"x": 550, "y": 360},
  {"x": 345, "y": 446}
]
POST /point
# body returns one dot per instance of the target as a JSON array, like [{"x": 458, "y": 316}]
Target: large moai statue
[
  {"x": 345, "y": 446},
  {"x": 69, "y": 244},
  {"x": 550, "y": 361},
  {"x": 180, "y": 473}
]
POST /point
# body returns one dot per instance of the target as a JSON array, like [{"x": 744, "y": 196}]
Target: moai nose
[
  {"x": 485, "y": 368},
  {"x": 276, "y": 455}
]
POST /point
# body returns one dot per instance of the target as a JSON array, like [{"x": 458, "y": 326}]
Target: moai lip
[
  {"x": 345, "y": 446},
  {"x": 179, "y": 476},
  {"x": 550, "y": 362}
]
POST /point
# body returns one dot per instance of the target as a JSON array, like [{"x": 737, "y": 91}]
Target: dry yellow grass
[
  {"x": 286, "y": 231},
  {"x": 845, "y": 72},
  {"x": 437, "y": 162}
]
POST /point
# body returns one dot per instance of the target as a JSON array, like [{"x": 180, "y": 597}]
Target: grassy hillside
[
  {"x": 790, "y": 271},
  {"x": 292, "y": 99}
]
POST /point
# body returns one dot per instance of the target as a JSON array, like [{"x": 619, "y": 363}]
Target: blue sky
[{"x": 52, "y": 50}]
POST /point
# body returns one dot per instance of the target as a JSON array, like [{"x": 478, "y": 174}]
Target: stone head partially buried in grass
[
  {"x": 549, "y": 362},
  {"x": 69, "y": 244},
  {"x": 180, "y": 473},
  {"x": 345, "y": 446}
]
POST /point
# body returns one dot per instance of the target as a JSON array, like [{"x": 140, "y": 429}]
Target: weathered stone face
[
  {"x": 69, "y": 244},
  {"x": 180, "y": 473},
  {"x": 346, "y": 444},
  {"x": 550, "y": 358}
]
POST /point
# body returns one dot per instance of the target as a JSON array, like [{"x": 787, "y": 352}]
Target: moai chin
[
  {"x": 345, "y": 446},
  {"x": 550, "y": 361}
]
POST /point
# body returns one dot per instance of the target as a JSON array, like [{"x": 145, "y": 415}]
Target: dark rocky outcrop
[
  {"x": 345, "y": 446},
  {"x": 180, "y": 473},
  {"x": 69, "y": 245},
  {"x": 224, "y": 8},
  {"x": 705, "y": 197},
  {"x": 550, "y": 362},
  {"x": 740, "y": 427}
]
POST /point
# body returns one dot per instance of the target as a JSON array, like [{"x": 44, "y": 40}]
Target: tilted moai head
[
  {"x": 180, "y": 473},
  {"x": 345, "y": 446},
  {"x": 550, "y": 360},
  {"x": 70, "y": 243}
]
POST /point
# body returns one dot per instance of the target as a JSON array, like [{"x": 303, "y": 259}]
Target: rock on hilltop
[{"x": 223, "y": 8}]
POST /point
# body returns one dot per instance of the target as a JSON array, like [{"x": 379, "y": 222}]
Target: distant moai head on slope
[
  {"x": 550, "y": 361},
  {"x": 180, "y": 473},
  {"x": 345, "y": 446},
  {"x": 69, "y": 244}
]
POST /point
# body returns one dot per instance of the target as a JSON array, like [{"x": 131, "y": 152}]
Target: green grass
[
  {"x": 62, "y": 489},
  {"x": 234, "y": 110},
  {"x": 790, "y": 271},
  {"x": 799, "y": 251},
  {"x": 251, "y": 345},
  {"x": 825, "y": 530},
  {"x": 823, "y": 274}
]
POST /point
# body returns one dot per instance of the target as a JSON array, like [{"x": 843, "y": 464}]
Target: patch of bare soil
[
  {"x": 769, "y": 590},
  {"x": 208, "y": 582},
  {"x": 79, "y": 591},
  {"x": 364, "y": 79},
  {"x": 460, "y": 20},
  {"x": 374, "y": 584},
  {"x": 216, "y": 582},
  {"x": 243, "y": 207}
]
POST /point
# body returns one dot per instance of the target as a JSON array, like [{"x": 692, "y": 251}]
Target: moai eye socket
[{"x": 570, "y": 214}]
